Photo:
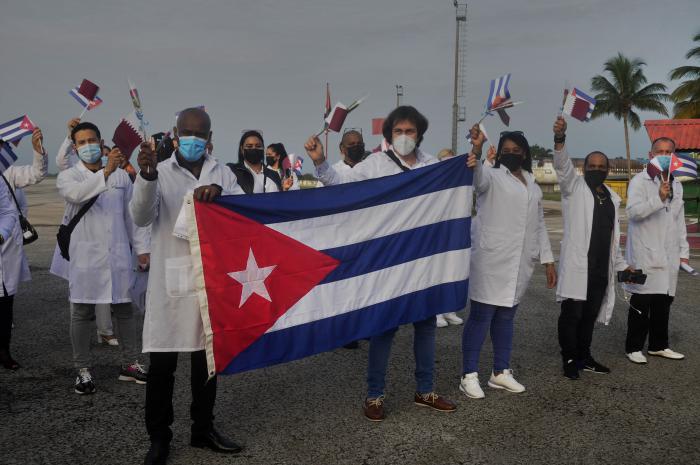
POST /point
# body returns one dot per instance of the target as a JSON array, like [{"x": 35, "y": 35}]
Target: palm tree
[
  {"x": 687, "y": 95},
  {"x": 626, "y": 93}
]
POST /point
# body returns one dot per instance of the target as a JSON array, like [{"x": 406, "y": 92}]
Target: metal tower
[{"x": 458, "y": 109}]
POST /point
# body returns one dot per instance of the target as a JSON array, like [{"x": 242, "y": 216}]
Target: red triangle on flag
[
  {"x": 676, "y": 163},
  {"x": 282, "y": 267}
]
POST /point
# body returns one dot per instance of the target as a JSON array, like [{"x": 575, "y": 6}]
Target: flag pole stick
[{"x": 84, "y": 110}]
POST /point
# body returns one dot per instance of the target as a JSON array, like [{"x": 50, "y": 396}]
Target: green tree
[
  {"x": 626, "y": 92},
  {"x": 687, "y": 94},
  {"x": 540, "y": 153}
]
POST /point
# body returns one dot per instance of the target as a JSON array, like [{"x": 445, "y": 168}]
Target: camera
[{"x": 634, "y": 276}]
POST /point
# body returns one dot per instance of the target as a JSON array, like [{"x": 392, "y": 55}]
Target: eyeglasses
[
  {"x": 512, "y": 133},
  {"x": 346, "y": 130},
  {"x": 259, "y": 131}
]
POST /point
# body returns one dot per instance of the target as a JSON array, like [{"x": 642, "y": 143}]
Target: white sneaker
[
  {"x": 506, "y": 381},
  {"x": 440, "y": 321},
  {"x": 667, "y": 353},
  {"x": 637, "y": 357},
  {"x": 452, "y": 318},
  {"x": 469, "y": 385}
]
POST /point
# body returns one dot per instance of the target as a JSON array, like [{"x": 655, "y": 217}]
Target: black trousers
[
  {"x": 648, "y": 314},
  {"x": 159, "y": 395},
  {"x": 6, "y": 303},
  {"x": 577, "y": 320}
]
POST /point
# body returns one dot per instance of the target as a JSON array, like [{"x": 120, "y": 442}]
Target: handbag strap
[
  {"x": 83, "y": 210},
  {"x": 395, "y": 159},
  {"x": 12, "y": 191}
]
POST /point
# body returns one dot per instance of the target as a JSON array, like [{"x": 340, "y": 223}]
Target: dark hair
[
  {"x": 247, "y": 134},
  {"x": 405, "y": 113},
  {"x": 596, "y": 152},
  {"x": 518, "y": 138},
  {"x": 666, "y": 139},
  {"x": 82, "y": 127},
  {"x": 350, "y": 132},
  {"x": 279, "y": 149}
]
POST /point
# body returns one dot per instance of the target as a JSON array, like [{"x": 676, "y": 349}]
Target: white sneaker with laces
[
  {"x": 505, "y": 381},
  {"x": 452, "y": 318},
  {"x": 667, "y": 353},
  {"x": 440, "y": 321},
  {"x": 469, "y": 385},
  {"x": 637, "y": 357}
]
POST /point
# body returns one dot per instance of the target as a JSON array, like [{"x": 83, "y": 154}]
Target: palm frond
[{"x": 685, "y": 72}]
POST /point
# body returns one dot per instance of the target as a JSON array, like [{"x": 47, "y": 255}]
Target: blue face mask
[
  {"x": 664, "y": 161},
  {"x": 90, "y": 153},
  {"x": 192, "y": 148}
]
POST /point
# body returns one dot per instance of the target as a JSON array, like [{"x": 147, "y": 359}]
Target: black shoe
[
  {"x": 216, "y": 442},
  {"x": 595, "y": 367},
  {"x": 352, "y": 345},
  {"x": 157, "y": 453},
  {"x": 7, "y": 361},
  {"x": 571, "y": 370}
]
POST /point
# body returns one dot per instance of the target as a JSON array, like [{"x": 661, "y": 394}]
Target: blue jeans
[
  {"x": 423, "y": 351},
  {"x": 481, "y": 318}
]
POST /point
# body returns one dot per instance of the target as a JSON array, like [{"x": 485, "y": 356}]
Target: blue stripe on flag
[
  {"x": 403, "y": 247},
  {"x": 584, "y": 96},
  {"x": 327, "y": 334},
  {"x": 79, "y": 98},
  {"x": 278, "y": 207},
  {"x": 506, "y": 92}
]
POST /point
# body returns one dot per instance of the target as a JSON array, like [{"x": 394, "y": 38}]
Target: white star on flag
[{"x": 252, "y": 279}]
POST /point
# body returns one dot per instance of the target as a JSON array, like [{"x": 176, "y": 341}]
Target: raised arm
[
  {"x": 566, "y": 172},
  {"x": 26, "y": 175},
  {"x": 325, "y": 173},
  {"x": 639, "y": 205},
  {"x": 146, "y": 196}
]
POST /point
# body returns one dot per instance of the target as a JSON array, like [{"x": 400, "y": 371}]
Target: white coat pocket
[{"x": 179, "y": 277}]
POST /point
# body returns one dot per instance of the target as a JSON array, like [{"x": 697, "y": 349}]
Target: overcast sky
[{"x": 264, "y": 64}]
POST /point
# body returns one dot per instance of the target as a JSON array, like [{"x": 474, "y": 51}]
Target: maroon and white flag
[{"x": 128, "y": 134}]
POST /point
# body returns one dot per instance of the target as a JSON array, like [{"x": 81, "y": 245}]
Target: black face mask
[
  {"x": 253, "y": 156},
  {"x": 511, "y": 161},
  {"x": 594, "y": 178},
  {"x": 270, "y": 160},
  {"x": 356, "y": 152}
]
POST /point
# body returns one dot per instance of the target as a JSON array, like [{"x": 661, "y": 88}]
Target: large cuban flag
[{"x": 286, "y": 275}]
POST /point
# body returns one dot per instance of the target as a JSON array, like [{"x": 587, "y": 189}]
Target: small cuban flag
[
  {"x": 7, "y": 156},
  {"x": 684, "y": 165},
  {"x": 14, "y": 130},
  {"x": 579, "y": 105}
]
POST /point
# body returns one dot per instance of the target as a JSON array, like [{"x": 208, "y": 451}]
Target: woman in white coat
[
  {"x": 590, "y": 254},
  {"x": 508, "y": 235},
  {"x": 15, "y": 268}
]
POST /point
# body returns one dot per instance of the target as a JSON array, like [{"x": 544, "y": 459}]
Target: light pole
[
  {"x": 399, "y": 94},
  {"x": 461, "y": 16}
]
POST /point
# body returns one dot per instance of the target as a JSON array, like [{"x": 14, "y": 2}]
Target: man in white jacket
[
  {"x": 173, "y": 321},
  {"x": 590, "y": 254},
  {"x": 656, "y": 243},
  {"x": 405, "y": 127},
  {"x": 100, "y": 268}
]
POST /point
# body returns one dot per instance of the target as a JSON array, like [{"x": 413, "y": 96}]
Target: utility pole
[
  {"x": 399, "y": 94},
  {"x": 458, "y": 113}
]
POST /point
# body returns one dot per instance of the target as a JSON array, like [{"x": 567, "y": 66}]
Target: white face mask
[{"x": 404, "y": 144}]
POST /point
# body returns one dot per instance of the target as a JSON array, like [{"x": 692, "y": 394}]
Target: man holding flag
[
  {"x": 173, "y": 323},
  {"x": 405, "y": 127},
  {"x": 657, "y": 244}
]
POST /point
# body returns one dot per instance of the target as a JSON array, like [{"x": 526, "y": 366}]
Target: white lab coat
[
  {"x": 508, "y": 235},
  {"x": 173, "y": 322},
  {"x": 577, "y": 205},
  {"x": 8, "y": 221},
  {"x": 656, "y": 234},
  {"x": 341, "y": 166},
  {"x": 375, "y": 165},
  {"x": 15, "y": 264},
  {"x": 64, "y": 160},
  {"x": 100, "y": 270}
]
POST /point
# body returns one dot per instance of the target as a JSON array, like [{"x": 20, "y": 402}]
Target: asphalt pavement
[{"x": 309, "y": 411}]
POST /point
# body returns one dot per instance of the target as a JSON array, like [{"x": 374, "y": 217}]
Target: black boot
[
  {"x": 216, "y": 442},
  {"x": 571, "y": 369},
  {"x": 157, "y": 453}
]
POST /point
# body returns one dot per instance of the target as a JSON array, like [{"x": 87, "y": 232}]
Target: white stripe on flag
[
  {"x": 339, "y": 297},
  {"x": 330, "y": 231}
]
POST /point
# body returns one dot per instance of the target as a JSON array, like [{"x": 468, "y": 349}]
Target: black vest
[{"x": 245, "y": 177}]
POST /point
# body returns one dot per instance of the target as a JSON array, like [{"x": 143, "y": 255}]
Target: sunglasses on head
[{"x": 512, "y": 133}]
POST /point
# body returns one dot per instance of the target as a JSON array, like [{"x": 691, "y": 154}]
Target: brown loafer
[
  {"x": 434, "y": 401},
  {"x": 374, "y": 409}
]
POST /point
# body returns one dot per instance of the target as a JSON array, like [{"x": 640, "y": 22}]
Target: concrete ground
[{"x": 309, "y": 411}]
